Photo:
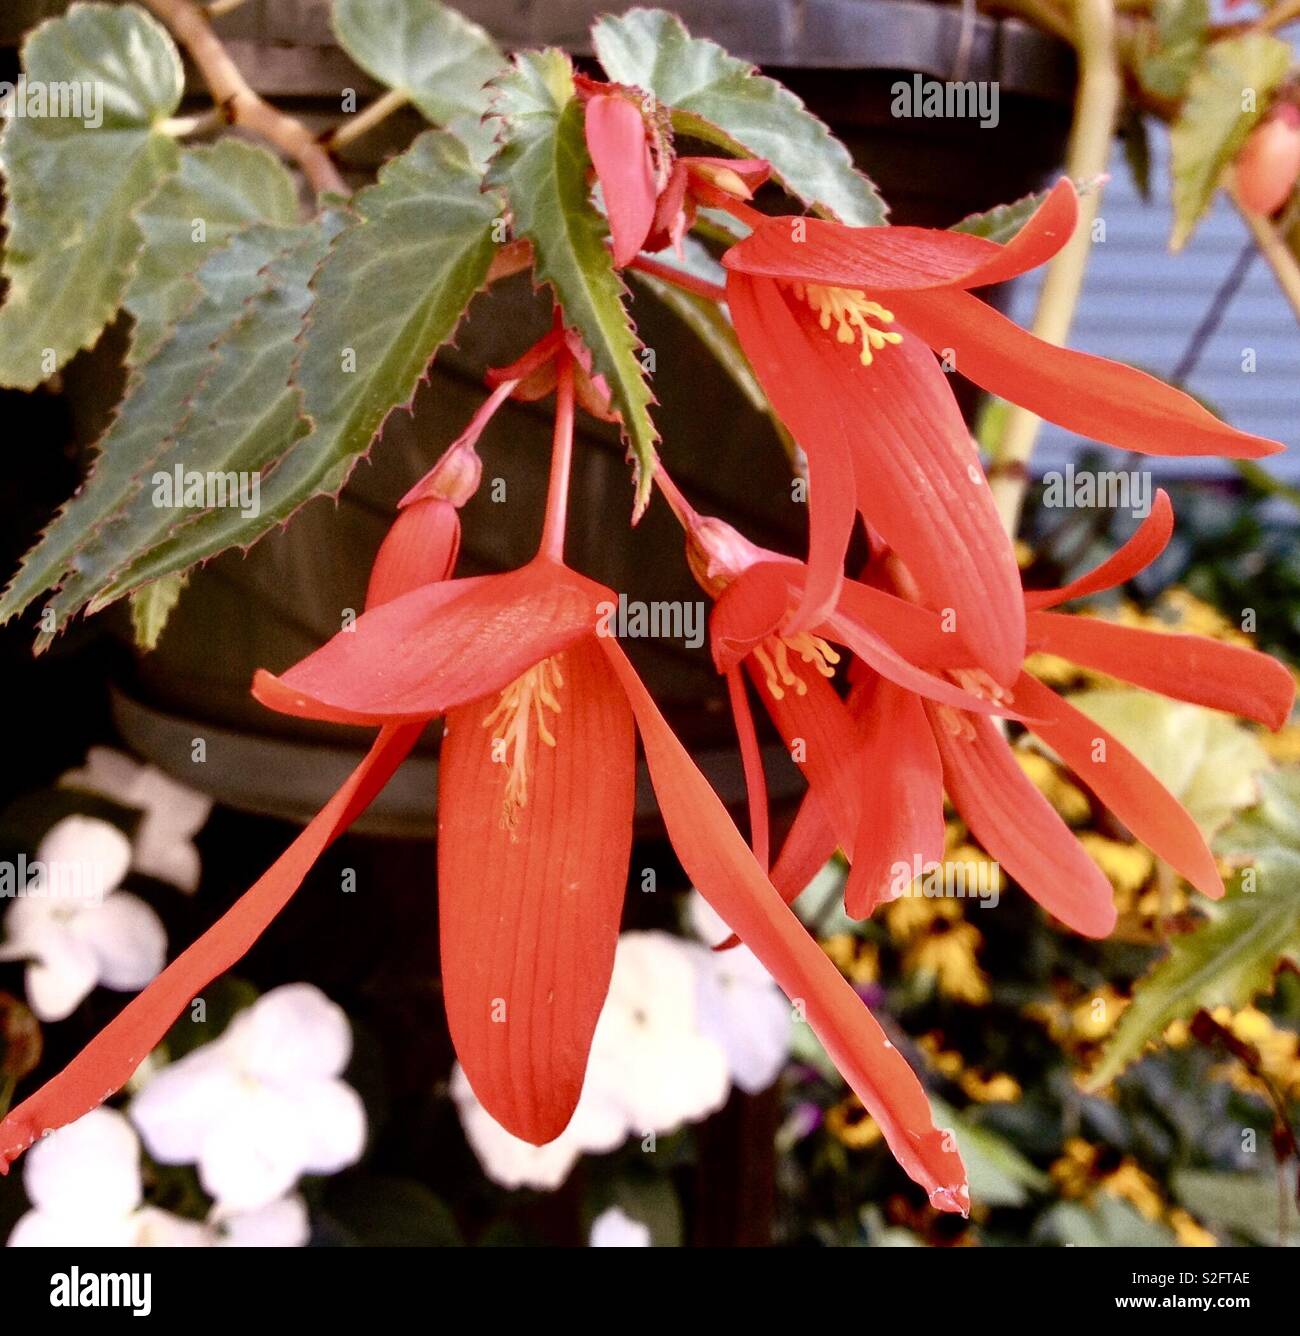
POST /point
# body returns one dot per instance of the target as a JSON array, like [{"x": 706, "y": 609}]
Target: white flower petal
[
  {"x": 178, "y": 1106},
  {"x": 62, "y": 976},
  {"x": 86, "y": 847},
  {"x": 45, "y": 1229},
  {"x": 614, "y": 1228},
  {"x": 128, "y": 939},
  {"x": 292, "y": 1033},
  {"x": 280, "y": 1224},
  {"x": 746, "y": 1014},
  {"x": 155, "y": 1228},
  {"x": 255, "y": 1155},
  {"x": 90, "y": 1167}
]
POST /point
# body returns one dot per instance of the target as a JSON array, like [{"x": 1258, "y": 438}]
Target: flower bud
[{"x": 1266, "y": 168}]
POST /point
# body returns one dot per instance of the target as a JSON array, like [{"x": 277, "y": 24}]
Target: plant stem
[
  {"x": 239, "y": 103},
  {"x": 679, "y": 278},
  {"x": 1272, "y": 246},
  {"x": 365, "y": 120},
  {"x": 557, "y": 493},
  {"x": 1096, "y": 110}
]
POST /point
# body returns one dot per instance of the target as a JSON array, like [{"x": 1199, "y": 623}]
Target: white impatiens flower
[
  {"x": 651, "y": 1069},
  {"x": 262, "y": 1105},
  {"x": 614, "y": 1228},
  {"x": 171, "y": 813},
  {"x": 84, "y": 1185},
  {"x": 74, "y": 928},
  {"x": 740, "y": 1006}
]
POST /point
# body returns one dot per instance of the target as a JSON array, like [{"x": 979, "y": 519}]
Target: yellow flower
[
  {"x": 1084, "y": 1169},
  {"x": 851, "y": 1125},
  {"x": 1094, "y": 1017},
  {"x": 1069, "y": 802},
  {"x": 1189, "y": 1231},
  {"x": 1072, "y": 1173},
  {"x": 1284, "y": 745},
  {"x": 998, "y": 1088},
  {"x": 856, "y": 959},
  {"x": 1053, "y": 670},
  {"x": 942, "y": 1060},
  {"x": 947, "y": 953},
  {"x": 1133, "y": 1184},
  {"x": 913, "y": 914},
  {"x": 1128, "y": 866}
]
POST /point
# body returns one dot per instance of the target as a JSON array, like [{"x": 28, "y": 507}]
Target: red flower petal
[
  {"x": 1147, "y": 543},
  {"x": 888, "y": 259},
  {"x": 111, "y": 1058},
  {"x": 807, "y": 848},
  {"x": 438, "y": 647},
  {"x": 1093, "y": 396},
  {"x": 419, "y": 549},
  {"x": 751, "y": 759},
  {"x": 721, "y": 866},
  {"x": 616, "y": 140},
  {"x": 901, "y": 780},
  {"x": 1191, "y": 668},
  {"x": 529, "y": 913},
  {"x": 890, "y": 432},
  {"x": 1019, "y": 828},
  {"x": 1124, "y": 785}
]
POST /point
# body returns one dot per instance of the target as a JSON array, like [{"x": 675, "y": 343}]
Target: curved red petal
[
  {"x": 1124, "y": 785},
  {"x": 438, "y": 647},
  {"x": 808, "y": 847},
  {"x": 751, "y": 759},
  {"x": 891, "y": 430},
  {"x": 889, "y": 259},
  {"x": 1106, "y": 400},
  {"x": 1191, "y": 668},
  {"x": 901, "y": 780},
  {"x": 1019, "y": 828},
  {"x": 1146, "y": 544},
  {"x": 616, "y": 140},
  {"x": 529, "y": 912},
  {"x": 721, "y": 866},
  {"x": 111, "y": 1058},
  {"x": 420, "y": 548}
]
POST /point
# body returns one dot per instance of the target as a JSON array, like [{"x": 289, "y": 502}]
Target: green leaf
[
  {"x": 725, "y": 101},
  {"x": 217, "y": 190},
  {"x": 543, "y": 167},
  {"x": 1002, "y": 222},
  {"x": 1247, "y": 1204},
  {"x": 1226, "y": 94},
  {"x": 1180, "y": 37},
  {"x": 999, "y": 1175},
  {"x": 151, "y": 607},
  {"x": 73, "y": 184},
  {"x": 158, "y": 400},
  {"x": 1137, "y": 148},
  {"x": 1231, "y": 957},
  {"x": 389, "y": 293},
  {"x": 435, "y": 56},
  {"x": 381, "y": 1211},
  {"x": 1106, "y": 1223}
]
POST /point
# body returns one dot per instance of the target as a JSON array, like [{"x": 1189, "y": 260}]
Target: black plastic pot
[{"x": 287, "y": 596}]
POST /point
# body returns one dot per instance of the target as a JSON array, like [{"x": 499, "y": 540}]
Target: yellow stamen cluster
[
  {"x": 522, "y": 705},
  {"x": 852, "y": 313},
  {"x": 773, "y": 655},
  {"x": 975, "y": 682}
]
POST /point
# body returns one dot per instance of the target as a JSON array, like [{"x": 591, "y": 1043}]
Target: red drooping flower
[
  {"x": 839, "y": 323},
  {"x": 913, "y": 749},
  {"x": 535, "y": 815}
]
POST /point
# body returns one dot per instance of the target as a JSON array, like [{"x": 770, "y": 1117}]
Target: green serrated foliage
[
  {"x": 73, "y": 182},
  {"x": 725, "y": 101},
  {"x": 1180, "y": 33},
  {"x": 151, "y": 607},
  {"x": 157, "y": 402},
  {"x": 1002, "y": 222},
  {"x": 241, "y": 419},
  {"x": 217, "y": 190},
  {"x": 1232, "y": 956},
  {"x": 388, "y": 294},
  {"x": 439, "y": 59},
  {"x": 543, "y": 168},
  {"x": 1226, "y": 94}
]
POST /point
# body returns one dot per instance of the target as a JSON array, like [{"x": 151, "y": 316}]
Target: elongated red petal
[
  {"x": 1124, "y": 785},
  {"x": 1093, "y": 396},
  {"x": 421, "y": 548},
  {"x": 1146, "y": 544},
  {"x": 110, "y": 1059},
  {"x": 1019, "y": 828},
  {"x": 887, "y": 259},
  {"x": 807, "y": 402},
  {"x": 616, "y": 140},
  {"x": 438, "y": 647},
  {"x": 1191, "y": 668},
  {"x": 901, "y": 780},
  {"x": 751, "y": 759},
  {"x": 721, "y": 866},
  {"x": 823, "y": 739},
  {"x": 807, "y": 848},
  {"x": 529, "y": 908}
]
